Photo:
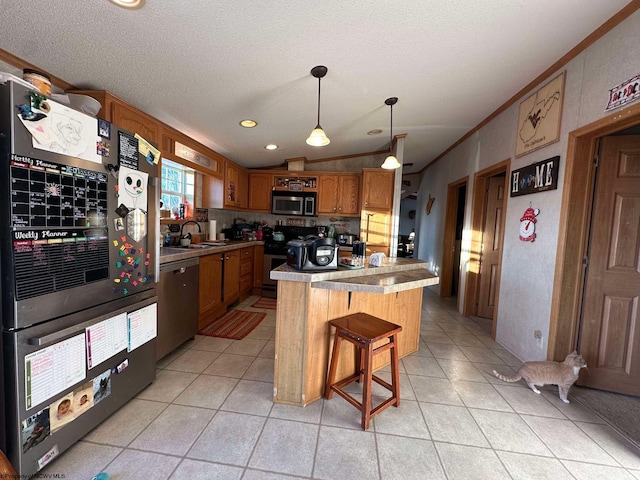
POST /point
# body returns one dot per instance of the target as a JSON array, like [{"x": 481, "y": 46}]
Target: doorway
[
  {"x": 609, "y": 327},
  {"x": 487, "y": 238},
  {"x": 452, "y": 241},
  {"x": 572, "y": 284}
]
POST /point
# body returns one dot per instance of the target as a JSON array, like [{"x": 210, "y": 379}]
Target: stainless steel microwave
[{"x": 293, "y": 203}]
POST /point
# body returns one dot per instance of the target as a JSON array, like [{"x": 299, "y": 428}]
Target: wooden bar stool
[{"x": 363, "y": 330}]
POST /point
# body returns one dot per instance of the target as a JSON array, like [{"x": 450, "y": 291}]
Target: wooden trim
[
  {"x": 449, "y": 240},
  {"x": 573, "y": 229},
  {"x": 17, "y": 62},
  {"x": 478, "y": 207},
  {"x": 596, "y": 35}
]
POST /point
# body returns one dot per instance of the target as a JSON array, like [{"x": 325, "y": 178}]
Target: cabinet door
[
  {"x": 231, "y": 275},
  {"x": 375, "y": 227},
  {"x": 210, "y": 287},
  {"x": 243, "y": 189},
  {"x": 377, "y": 188},
  {"x": 135, "y": 121},
  {"x": 349, "y": 195},
  {"x": 327, "y": 194},
  {"x": 258, "y": 265},
  {"x": 260, "y": 186},
  {"x": 231, "y": 185}
]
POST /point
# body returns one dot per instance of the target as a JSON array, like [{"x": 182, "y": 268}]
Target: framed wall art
[{"x": 539, "y": 117}]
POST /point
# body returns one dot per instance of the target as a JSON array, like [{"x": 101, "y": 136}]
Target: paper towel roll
[{"x": 212, "y": 229}]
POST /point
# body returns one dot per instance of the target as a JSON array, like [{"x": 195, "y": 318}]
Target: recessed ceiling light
[
  {"x": 248, "y": 123},
  {"x": 271, "y": 146},
  {"x": 377, "y": 131},
  {"x": 128, "y": 4}
]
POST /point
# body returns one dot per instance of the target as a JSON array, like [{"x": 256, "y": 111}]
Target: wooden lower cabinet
[
  {"x": 375, "y": 230},
  {"x": 219, "y": 284},
  {"x": 246, "y": 270},
  {"x": 210, "y": 287},
  {"x": 231, "y": 276}
]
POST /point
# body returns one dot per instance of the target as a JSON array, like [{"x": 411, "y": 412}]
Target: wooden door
[
  {"x": 135, "y": 121},
  {"x": 327, "y": 194},
  {"x": 491, "y": 246},
  {"x": 260, "y": 185},
  {"x": 609, "y": 337},
  {"x": 375, "y": 228},
  {"x": 377, "y": 188},
  {"x": 210, "y": 286},
  {"x": 231, "y": 185},
  {"x": 349, "y": 195},
  {"x": 231, "y": 275},
  {"x": 243, "y": 189}
]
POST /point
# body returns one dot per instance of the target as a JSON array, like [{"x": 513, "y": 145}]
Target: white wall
[{"x": 528, "y": 267}]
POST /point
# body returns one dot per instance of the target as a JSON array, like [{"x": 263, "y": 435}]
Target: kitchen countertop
[
  {"x": 394, "y": 275},
  {"x": 172, "y": 254}
]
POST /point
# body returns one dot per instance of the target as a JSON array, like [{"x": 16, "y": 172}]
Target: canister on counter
[{"x": 38, "y": 80}]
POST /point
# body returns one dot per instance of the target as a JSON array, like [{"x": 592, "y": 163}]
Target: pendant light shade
[
  {"x": 391, "y": 162},
  {"x": 318, "y": 138}
]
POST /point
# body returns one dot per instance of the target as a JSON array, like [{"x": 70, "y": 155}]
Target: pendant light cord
[
  {"x": 319, "y": 78},
  {"x": 391, "y": 132}
]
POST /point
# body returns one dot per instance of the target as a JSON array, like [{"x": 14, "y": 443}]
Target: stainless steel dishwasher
[{"x": 177, "y": 305}]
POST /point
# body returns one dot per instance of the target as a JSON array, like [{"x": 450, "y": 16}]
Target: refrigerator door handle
[{"x": 54, "y": 337}]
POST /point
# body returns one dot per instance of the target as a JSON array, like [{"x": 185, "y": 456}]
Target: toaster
[{"x": 313, "y": 254}]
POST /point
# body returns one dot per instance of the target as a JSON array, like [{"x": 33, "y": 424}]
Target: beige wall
[{"x": 528, "y": 268}]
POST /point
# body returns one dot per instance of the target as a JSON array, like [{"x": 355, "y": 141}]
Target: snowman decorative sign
[{"x": 528, "y": 225}]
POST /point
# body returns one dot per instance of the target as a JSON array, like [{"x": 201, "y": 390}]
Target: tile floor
[{"x": 209, "y": 415}]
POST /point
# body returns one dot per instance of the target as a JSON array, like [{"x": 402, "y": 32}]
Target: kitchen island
[{"x": 308, "y": 300}]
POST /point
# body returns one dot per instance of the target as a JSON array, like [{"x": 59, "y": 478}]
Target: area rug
[
  {"x": 235, "y": 324},
  {"x": 621, "y": 412},
  {"x": 262, "y": 302}
]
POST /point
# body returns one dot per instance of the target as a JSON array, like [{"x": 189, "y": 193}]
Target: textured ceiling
[{"x": 201, "y": 66}]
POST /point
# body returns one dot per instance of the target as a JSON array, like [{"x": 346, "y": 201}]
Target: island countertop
[{"x": 394, "y": 275}]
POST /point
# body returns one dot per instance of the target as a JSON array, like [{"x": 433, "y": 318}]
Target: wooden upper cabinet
[
  {"x": 243, "y": 189},
  {"x": 124, "y": 115},
  {"x": 377, "y": 188},
  {"x": 236, "y": 186},
  {"x": 338, "y": 194},
  {"x": 349, "y": 195},
  {"x": 260, "y": 186},
  {"x": 136, "y": 121}
]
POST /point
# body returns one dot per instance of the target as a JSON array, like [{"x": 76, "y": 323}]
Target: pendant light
[
  {"x": 391, "y": 162},
  {"x": 318, "y": 138}
]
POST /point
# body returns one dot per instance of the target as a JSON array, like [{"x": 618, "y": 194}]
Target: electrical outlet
[{"x": 538, "y": 336}]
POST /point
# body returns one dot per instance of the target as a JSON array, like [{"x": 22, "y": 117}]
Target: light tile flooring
[{"x": 209, "y": 415}]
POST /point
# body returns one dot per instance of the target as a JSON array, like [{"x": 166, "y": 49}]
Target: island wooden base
[{"x": 304, "y": 340}]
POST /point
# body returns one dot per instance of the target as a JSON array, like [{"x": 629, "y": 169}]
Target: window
[{"x": 177, "y": 186}]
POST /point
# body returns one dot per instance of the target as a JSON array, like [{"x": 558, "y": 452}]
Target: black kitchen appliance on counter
[
  {"x": 275, "y": 251},
  {"x": 313, "y": 254}
]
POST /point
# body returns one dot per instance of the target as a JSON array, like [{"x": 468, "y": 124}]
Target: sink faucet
[{"x": 190, "y": 221}]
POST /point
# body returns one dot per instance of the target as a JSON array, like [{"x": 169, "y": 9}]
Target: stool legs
[
  {"x": 366, "y": 386},
  {"x": 331, "y": 377},
  {"x": 364, "y": 373}
]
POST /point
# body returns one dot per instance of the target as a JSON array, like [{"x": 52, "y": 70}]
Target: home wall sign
[
  {"x": 624, "y": 93},
  {"x": 534, "y": 178},
  {"x": 539, "y": 117}
]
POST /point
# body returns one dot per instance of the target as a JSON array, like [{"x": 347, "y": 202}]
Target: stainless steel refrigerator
[{"x": 79, "y": 261}]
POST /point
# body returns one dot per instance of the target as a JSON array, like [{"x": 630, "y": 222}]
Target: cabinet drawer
[
  {"x": 246, "y": 268},
  {"x": 246, "y": 253},
  {"x": 245, "y": 283}
]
